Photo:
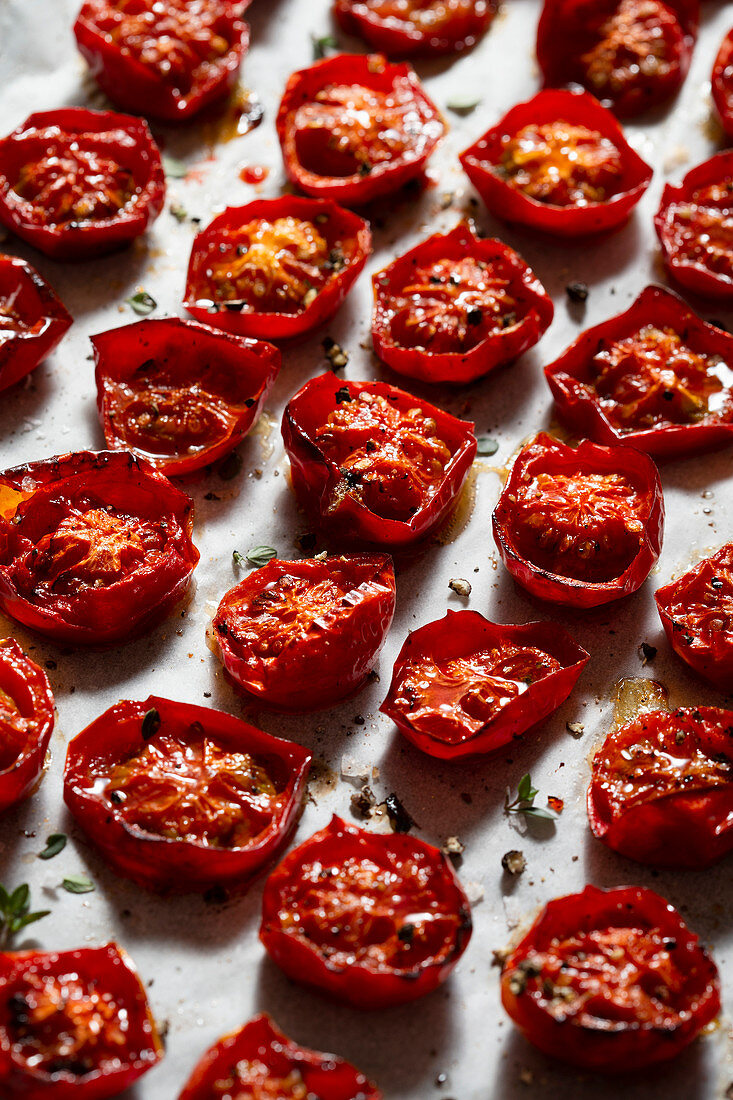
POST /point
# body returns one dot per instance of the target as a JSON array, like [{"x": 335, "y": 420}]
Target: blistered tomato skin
[
  {"x": 558, "y": 163},
  {"x": 610, "y": 980},
  {"x": 580, "y": 526},
  {"x": 76, "y": 183},
  {"x": 26, "y": 723},
  {"x": 455, "y": 307},
  {"x": 656, "y": 377},
  {"x": 722, "y": 83},
  {"x": 260, "y": 1060},
  {"x": 32, "y": 320},
  {"x": 74, "y": 1025},
  {"x": 275, "y": 268},
  {"x": 373, "y": 920},
  {"x": 417, "y": 27},
  {"x": 353, "y": 128}
]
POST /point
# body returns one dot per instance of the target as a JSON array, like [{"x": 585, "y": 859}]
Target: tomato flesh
[
  {"x": 562, "y": 164},
  {"x": 13, "y": 731},
  {"x": 79, "y": 185},
  {"x": 703, "y": 228},
  {"x": 640, "y": 40}
]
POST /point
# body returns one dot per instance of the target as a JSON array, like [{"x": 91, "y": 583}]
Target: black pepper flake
[
  {"x": 647, "y": 653},
  {"x": 406, "y": 933},
  {"x": 211, "y": 496},
  {"x": 474, "y": 316},
  {"x": 343, "y": 395},
  {"x": 51, "y": 664},
  {"x": 577, "y": 292},
  {"x": 151, "y": 724},
  {"x": 400, "y": 820},
  {"x": 359, "y": 719}
]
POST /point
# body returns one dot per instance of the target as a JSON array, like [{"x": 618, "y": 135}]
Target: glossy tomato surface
[
  {"x": 276, "y": 268},
  {"x": 631, "y": 54},
  {"x": 26, "y": 722},
  {"x": 95, "y": 547},
  {"x": 180, "y": 394},
  {"x": 74, "y": 1025},
  {"x": 655, "y": 377},
  {"x": 456, "y": 306},
  {"x": 693, "y": 224},
  {"x": 371, "y": 464},
  {"x": 696, "y": 611},
  {"x": 32, "y": 319},
  {"x": 722, "y": 83},
  {"x": 77, "y": 183},
  {"x": 464, "y": 685},
  {"x": 184, "y": 798},
  {"x": 259, "y": 1061},
  {"x": 164, "y": 61},
  {"x": 403, "y": 28},
  {"x": 558, "y": 163},
  {"x": 374, "y": 920},
  {"x": 580, "y": 526},
  {"x": 353, "y": 128},
  {"x": 610, "y": 980}
]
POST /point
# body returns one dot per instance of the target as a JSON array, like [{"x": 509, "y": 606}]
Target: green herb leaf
[
  {"x": 179, "y": 212},
  {"x": 524, "y": 786},
  {"x": 539, "y": 811},
  {"x": 463, "y": 104},
  {"x": 173, "y": 168},
  {"x": 29, "y": 918},
  {"x": 19, "y": 901},
  {"x": 239, "y": 558},
  {"x": 321, "y": 46},
  {"x": 142, "y": 303},
  {"x": 55, "y": 843},
  {"x": 14, "y": 913},
  {"x": 78, "y": 884},
  {"x": 260, "y": 555},
  {"x": 486, "y": 446}
]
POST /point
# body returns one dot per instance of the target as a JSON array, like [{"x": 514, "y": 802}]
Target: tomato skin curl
[
  {"x": 457, "y": 30},
  {"x": 34, "y": 324},
  {"x": 28, "y": 717}
]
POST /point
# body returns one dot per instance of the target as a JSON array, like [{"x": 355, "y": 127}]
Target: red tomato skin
[
  {"x": 692, "y": 277},
  {"x": 38, "y": 306},
  {"x": 324, "y": 1075},
  {"x": 108, "y": 967},
  {"x": 28, "y": 686},
  {"x": 722, "y": 83},
  {"x": 357, "y": 984},
  {"x": 74, "y": 241},
  {"x": 100, "y": 617},
  {"x": 497, "y": 348},
  {"x": 372, "y": 71},
  {"x": 509, "y": 204},
  {"x": 397, "y": 39},
  {"x": 279, "y": 326},
  {"x": 134, "y": 87},
  {"x": 160, "y": 863},
  {"x": 119, "y": 352},
  {"x": 580, "y": 409},
  {"x": 316, "y": 672},
  {"x": 461, "y": 633},
  {"x": 314, "y": 475},
  {"x": 546, "y": 452},
  {"x": 631, "y": 1046}
]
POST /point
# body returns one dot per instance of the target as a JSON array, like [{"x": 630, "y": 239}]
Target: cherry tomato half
[
  {"x": 372, "y": 464},
  {"x": 184, "y": 798},
  {"x": 32, "y": 320},
  {"x": 276, "y": 268},
  {"x": 374, "y": 920},
  {"x": 694, "y": 224},
  {"x": 300, "y": 635},
  {"x": 610, "y": 980},
  {"x": 404, "y": 28},
  {"x": 94, "y": 547},
  {"x": 559, "y": 163},
  {"x": 164, "y": 61},
  {"x": 352, "y": 128},
  {"x": 74, "y": 1025},
  {"x": 464, "y": 685},
  {"x": 77, "y": 183},
  {"x": 631, "y": 54},
  {"x": 178, "y": 393},
  {"x": 456, "y": 306},
  {"x": 259, "y": 1061},
  {"x": 656, "y": 377},
  {"x": 697, "y": 615},
  {"x": 580, "y": 526},
  {"x": 722, "y": 83},
  {"x": 26, "y": 722}
]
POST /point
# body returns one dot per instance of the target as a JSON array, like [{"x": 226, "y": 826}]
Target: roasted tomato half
[
  {"x": 580, "y": 526},
  {"x": 722, "y": 83},
  {"x": 164, "y": 61},
  {"x": 662, "y": 788},
  {"x": 372, "y": 919},
  {"x": 404, "y": 28},
  {"x": 301, "y": 635},
  {"x": 259, "y": 1061},
  {"x": 184, "y": 798},
  {"x": 74, "y": 1025},
  {"x": 697, "y": 615},
  {"x": 77, "y": 183},
  {"x": 610, "y": 980},
  {"x": 178, "y": 393},
  {"x": 463, "y": 685},
  {"x": 456, "y": 306},
  {"x": 372, "y": 464},
  {"x": 559, "y": 163},
  {"x": 353, "y": 128},
  {"x": 631, "y": 54},
  {"x": 694, "y": 224},
  {"x": 656, "y": 377},
  {"x": 94, "y": 547},
  {"x": 26, "y": 722},
  {"x": 276, "y": 268},
  {"x": 32, "y": 319}
]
